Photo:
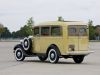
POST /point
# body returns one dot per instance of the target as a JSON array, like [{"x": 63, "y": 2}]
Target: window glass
[
  {"x": 82, "y": 31},
  {"x": 55, "y": 31},
  {"x": 77, "y": 30},
  {"x": 45, "y": 31},
  {"x": 36, "y": 31},
  {"x": 72, "y": 30}
]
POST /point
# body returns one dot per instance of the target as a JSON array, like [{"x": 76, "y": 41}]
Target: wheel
[
  {"x": 53, "y": 55},
  {"x": 27, "y": 44},
  {"x": 42, "y": 58},
  {"x": 78, "y": 59},
  {"x": 19, "y": 56}
]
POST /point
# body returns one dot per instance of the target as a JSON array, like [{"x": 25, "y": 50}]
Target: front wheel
[
  {"x": 53, "y": 55},
  {"x": 78, "y": 59},
  {"x": 19, "y": 56}
]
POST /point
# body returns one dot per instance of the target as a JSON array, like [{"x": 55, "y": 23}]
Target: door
[
  {"x": 73, "y": 38},
  {"x": 78, "y": 38},
  {"x": 36, "y": 40},
  {"x": 83, "y": 37}
]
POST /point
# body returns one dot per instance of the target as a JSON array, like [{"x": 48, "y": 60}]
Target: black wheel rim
[
  {"x": 19, "y": 54},
  {"x": 52, "y": 55},
  {"x": 26, "y": 43}
]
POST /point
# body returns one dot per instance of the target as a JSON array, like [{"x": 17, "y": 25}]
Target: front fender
[{"x": 17, "y": 46}]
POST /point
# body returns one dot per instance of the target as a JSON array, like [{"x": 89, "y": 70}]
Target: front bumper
[{"x": 79, "y": 52}]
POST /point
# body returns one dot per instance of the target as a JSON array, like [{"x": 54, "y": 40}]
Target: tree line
[
  {"x": 26, "y": 30},
  {"x": 94, "y": 31}
]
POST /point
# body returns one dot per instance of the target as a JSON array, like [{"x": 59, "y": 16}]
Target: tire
[
  {"x": 78, "y": 59},
  {"x": 19, "y": 55},
  {"x": 43, "y": 57},
  {"x": 53, "y": 55},
  {"x": 27, "y": 44}
]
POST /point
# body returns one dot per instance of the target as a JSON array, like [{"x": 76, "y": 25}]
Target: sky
[{"x": 15, "y": 13}]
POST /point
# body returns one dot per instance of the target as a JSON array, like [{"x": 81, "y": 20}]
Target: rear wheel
[
  {"x": 43, "y": 57},
  {"x": 78, "y": 59},
  {"x": 19, "y": 55},
  {"x": 53, "y": 55}
]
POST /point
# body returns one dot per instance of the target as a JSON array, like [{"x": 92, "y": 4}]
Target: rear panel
[{"x": 77, "y": 38}]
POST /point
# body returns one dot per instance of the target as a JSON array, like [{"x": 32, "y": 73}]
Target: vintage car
[{"x": 54, "y": 40}]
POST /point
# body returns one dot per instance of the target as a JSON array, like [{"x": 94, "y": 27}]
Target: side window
[
  {"x": 45, "y": 31},
  {"x": 55, "y": 31},
  {"x": 36, "y": 31},
  {"x": 72, "y": 30}
]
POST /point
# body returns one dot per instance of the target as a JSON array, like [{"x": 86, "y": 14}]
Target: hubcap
[
  {"x": 25, "y": 43},
  {"x": 52, "y": 55},
  {"x": 18, "y": 54}
]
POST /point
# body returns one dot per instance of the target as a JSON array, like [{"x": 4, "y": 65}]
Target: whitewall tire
[
  {"x": 19, "y": 55},
  {"x": 53, "y": 56}
]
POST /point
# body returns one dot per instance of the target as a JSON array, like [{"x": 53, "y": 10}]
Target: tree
[
  {"x": 91, "y": 30},
  {"x": 1, "y": 28},
  {"x": 29, "y": 25},
  {"x": 24, "y": 31},
  {"x": 60, "y": 18},
  {"x": 6, "y": 33},
  {"x": 97, "y": 30}
]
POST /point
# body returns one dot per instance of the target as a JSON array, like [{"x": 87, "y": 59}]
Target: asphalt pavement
[{"x": 33, "y": 66}]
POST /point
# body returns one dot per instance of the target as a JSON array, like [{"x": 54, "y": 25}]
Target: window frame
[
  {"x": 75, "y": 33},
  {"x": 34, "y": 31},
  {"x": 41, "y": 31},
  {"x": 78, "y": 27},
  {"x": 86, "y": 31},
  {"x": 59, "y": 32}
]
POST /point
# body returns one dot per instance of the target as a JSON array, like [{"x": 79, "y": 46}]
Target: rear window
[
  {"x": 82, "y": 30},
  {"x": 77, "y": 30},
  {"x": 72, "y": 30}
]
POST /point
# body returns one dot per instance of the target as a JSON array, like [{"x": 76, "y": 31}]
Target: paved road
[{"x": 32, "y": 65}]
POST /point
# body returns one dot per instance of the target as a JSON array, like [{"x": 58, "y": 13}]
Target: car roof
[{"x": 61, "y": 23}]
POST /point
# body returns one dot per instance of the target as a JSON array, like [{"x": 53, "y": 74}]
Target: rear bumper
[{"x": 79, "y": 52}]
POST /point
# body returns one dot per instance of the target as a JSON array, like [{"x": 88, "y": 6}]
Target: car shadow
[{"x": 60, "y": 62}]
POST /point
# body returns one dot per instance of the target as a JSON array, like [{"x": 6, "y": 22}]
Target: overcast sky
[{"x": 15, "y": 13}]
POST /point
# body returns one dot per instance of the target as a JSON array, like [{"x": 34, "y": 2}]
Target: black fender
[
  {"x": 17, "y": 46},
  {"x": 27, "y": 54}
]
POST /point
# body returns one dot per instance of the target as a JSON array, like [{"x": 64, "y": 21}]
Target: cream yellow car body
[{"x": 41, "y": 43}]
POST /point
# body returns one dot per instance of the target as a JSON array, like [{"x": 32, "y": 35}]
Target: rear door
[
  {"x": 77, "y": 37},
  {"x": 83, "y": 37},
  {"x": 36, "y": 40},
  {"x": 73, "y": 41}
]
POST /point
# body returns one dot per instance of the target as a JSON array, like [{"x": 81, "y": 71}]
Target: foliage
[
  {"x": 24, "y": 31},
  {"x": 91, "y": 30},
  {"x": 97, "y": 30},
  {"x": 6, "y": 33},
  {"x": 60, "y": 18},
  {"x": 1, "y": 28}
]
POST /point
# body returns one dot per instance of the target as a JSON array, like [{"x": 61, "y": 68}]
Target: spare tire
[{"x": 27, "y": 44}]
